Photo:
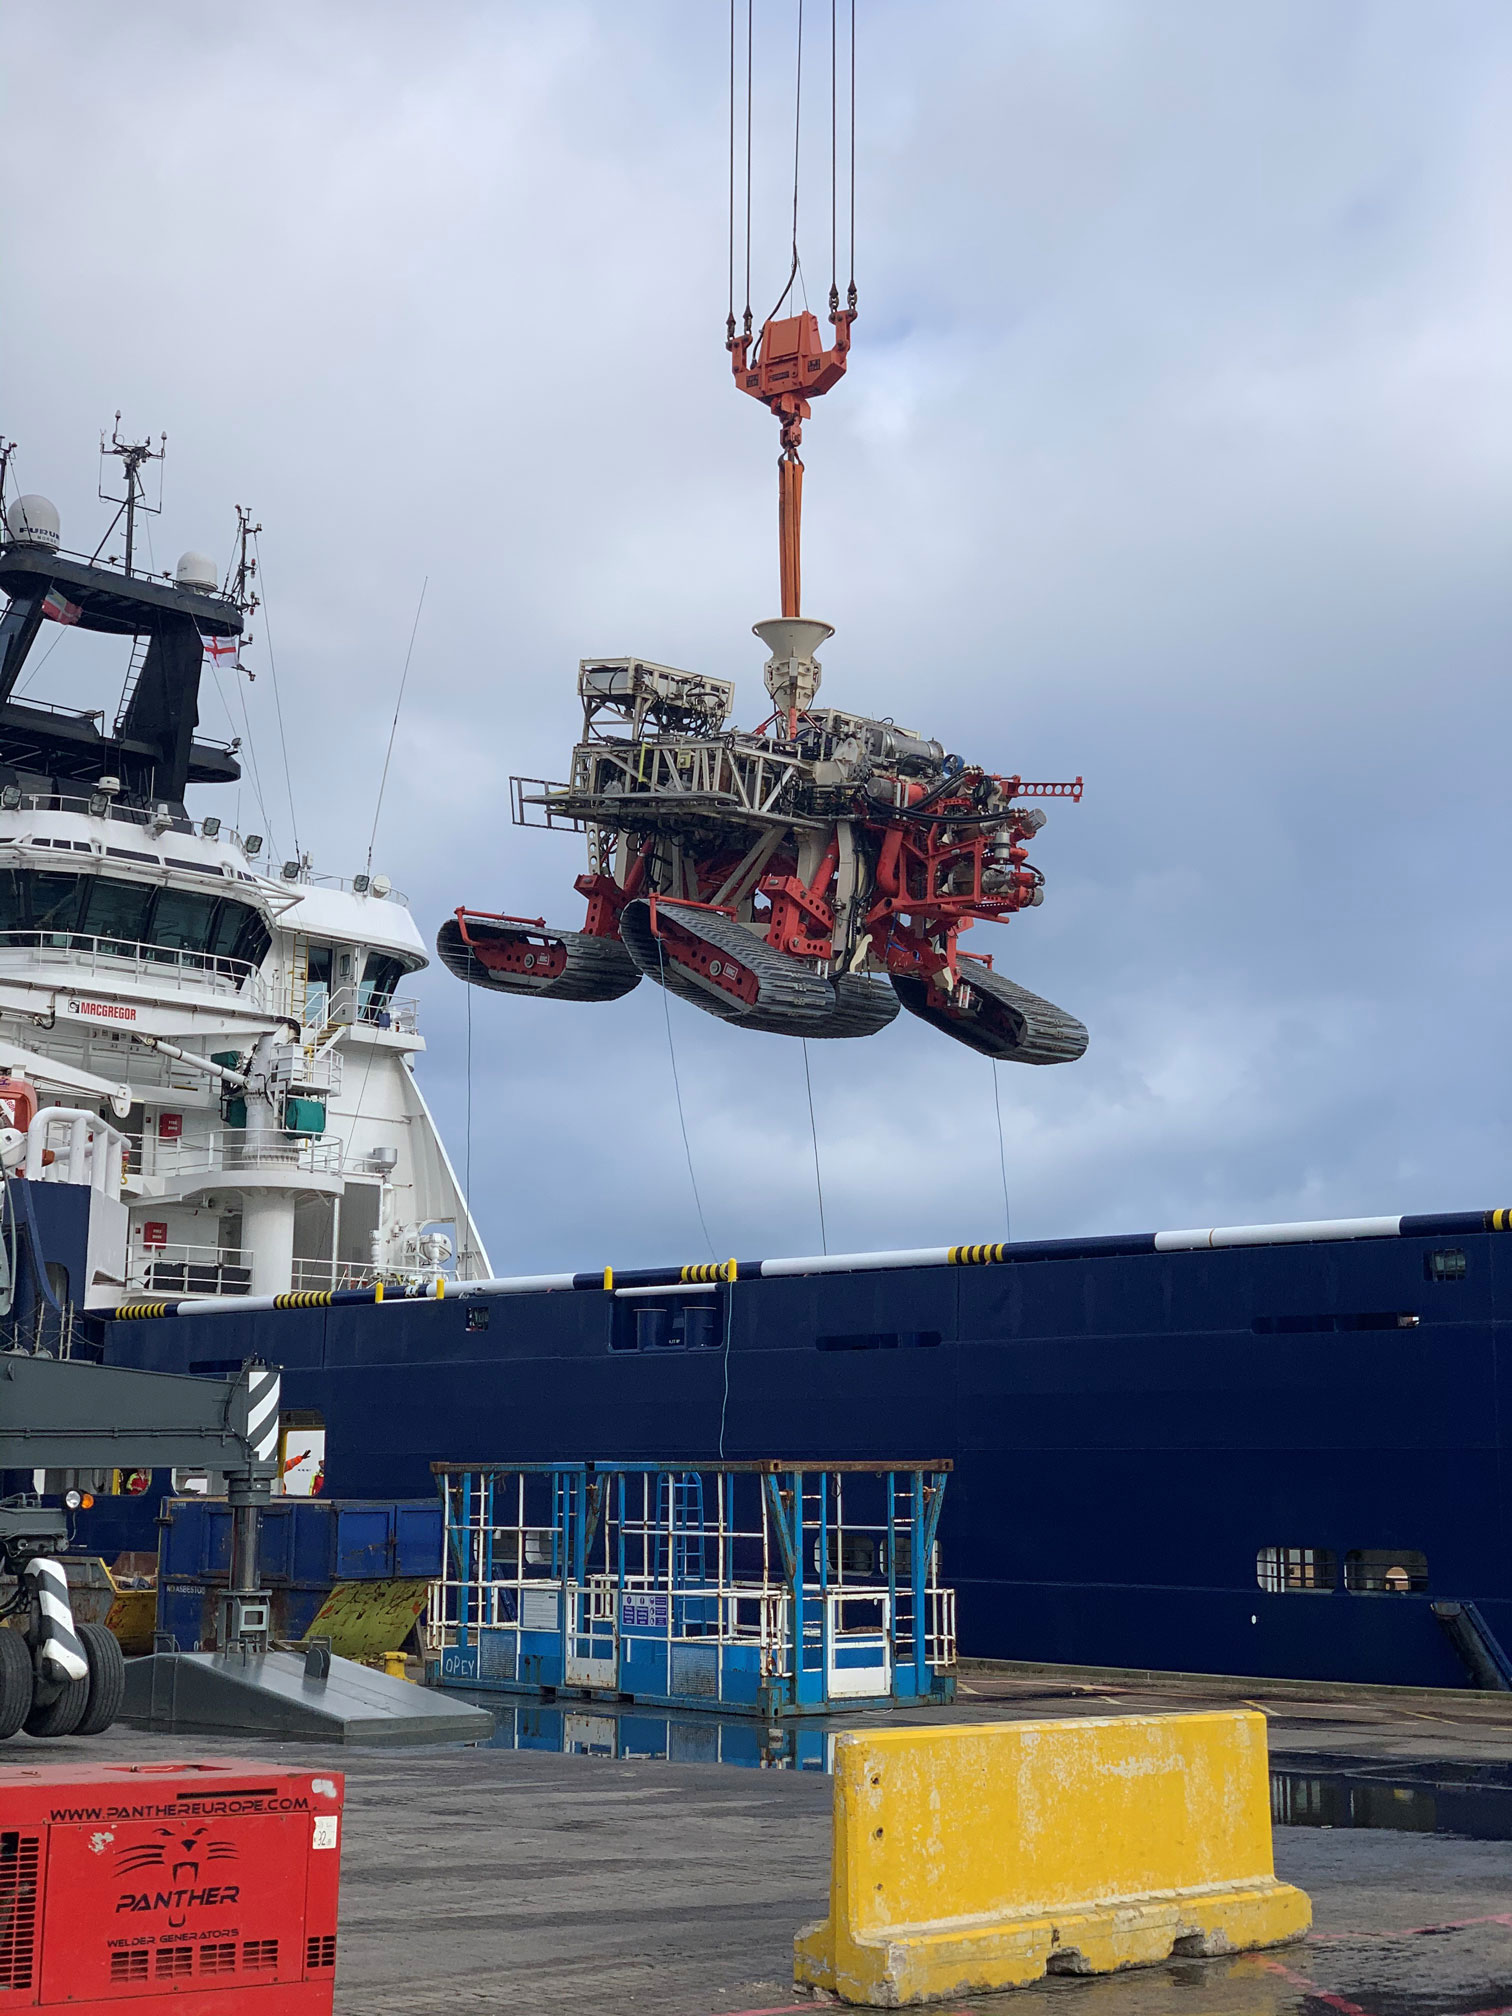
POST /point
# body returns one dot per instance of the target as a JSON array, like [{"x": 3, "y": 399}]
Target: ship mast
[{"x": 133, "y": 456}]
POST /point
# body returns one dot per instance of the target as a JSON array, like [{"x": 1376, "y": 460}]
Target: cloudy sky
[{"x": 1174, "y": 453}]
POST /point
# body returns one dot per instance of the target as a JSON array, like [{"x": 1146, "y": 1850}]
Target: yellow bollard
[
  {"x": 983, "y": 1856},
  {"x": 395, "y": 1666}
]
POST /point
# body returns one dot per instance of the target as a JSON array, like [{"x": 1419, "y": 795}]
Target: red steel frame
[{"x": 928, "y": 888}]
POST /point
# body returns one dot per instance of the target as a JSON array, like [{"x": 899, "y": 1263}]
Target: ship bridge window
[
  {"x": 1447, "y": 1264},
  {"x": 100, "y": 912},
  {"x": 319, "y": 960},
  {"x": 183, "y": 919},
  {"x": 1280, "y": 1570},
  {"x": 1386, "y": 1571},
  {"x": 118, "y": 910},
  {"x": 381, "y": 974}
]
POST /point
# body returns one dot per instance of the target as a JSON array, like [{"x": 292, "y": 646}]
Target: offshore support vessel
[
  {"x": 1278, "y": 1450},
  {"x": 241, "y": 1022}
]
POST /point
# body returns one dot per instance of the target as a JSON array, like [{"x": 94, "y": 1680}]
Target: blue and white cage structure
[{"x": 766, "y": 1588}]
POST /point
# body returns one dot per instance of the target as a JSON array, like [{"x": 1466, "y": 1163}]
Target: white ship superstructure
[{"x": 244, "y": 1023}]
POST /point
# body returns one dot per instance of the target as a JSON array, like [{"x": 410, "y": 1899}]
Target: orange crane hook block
[{"x": 790, "y": 367}]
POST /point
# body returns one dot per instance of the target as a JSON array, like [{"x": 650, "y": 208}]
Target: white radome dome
[
  {"x": 197, "y": 571},
  {"x": 33, "y": 521}
]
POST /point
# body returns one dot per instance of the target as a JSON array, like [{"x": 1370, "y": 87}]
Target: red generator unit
[{"x": 205, "y": 1889}]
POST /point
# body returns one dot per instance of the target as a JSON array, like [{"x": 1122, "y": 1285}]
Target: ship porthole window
[
  {"x": 1283, "y": 1571},
  {"x": 1386, "y": 1571}
]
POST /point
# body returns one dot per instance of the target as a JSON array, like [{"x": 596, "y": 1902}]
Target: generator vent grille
[
  {"x": 128, "y": 1966},
  {"x": 259, "y": 1953},
  {"x": 172, "y": 1960},
  {"x": 19, "y": 1858},
  {"x": 219, "y": 1958},
  {"x": 320, "y": 1950}
]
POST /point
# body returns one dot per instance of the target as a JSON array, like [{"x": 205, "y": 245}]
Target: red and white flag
[
  {"x": 217, "y": 648},
  {"x": 57, "y": 608}
]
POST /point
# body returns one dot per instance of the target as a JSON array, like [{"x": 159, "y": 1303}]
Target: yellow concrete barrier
[{"x": 983, "y": 1856}]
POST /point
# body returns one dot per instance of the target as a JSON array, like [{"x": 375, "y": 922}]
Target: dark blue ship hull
[{"x": 1130, "y": 1428}]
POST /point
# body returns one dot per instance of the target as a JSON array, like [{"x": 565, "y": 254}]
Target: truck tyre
[
  {"x": 15, "y": 1681},
  {"x": 60, "y": 1715},
  {"x": 107, "y": 1679}
]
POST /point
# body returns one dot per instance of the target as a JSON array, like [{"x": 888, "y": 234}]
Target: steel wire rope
[
  {"x": 394, "y": 724},
  {"x": 277, "y": 696},
  {"x": 834, "y": 134},
  {"x": 750, "y": 46},
  {"x": 797, "y": 142},
  {"x": 730, "y": 325},
  {"x": 62, "y": 630},
  {"x": 251, "y": 745},
  {"x": 724, "y": 1403},
  {"x": 230, "y": 722},
  {"x": 467, "y": 1155},
  {"x": 808, "y": 1085},
  {"x": 851, "y": 294},
  {"x": 1002, "y": 1151},
  {"x": 372, "y": 842},
  {"x": 661, "y": 963}
]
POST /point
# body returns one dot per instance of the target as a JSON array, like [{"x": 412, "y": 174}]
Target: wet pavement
[{"x": 581, "y": 1877}]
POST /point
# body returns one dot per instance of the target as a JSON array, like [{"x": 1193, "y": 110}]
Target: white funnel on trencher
[{"x": 792, "y": 673}]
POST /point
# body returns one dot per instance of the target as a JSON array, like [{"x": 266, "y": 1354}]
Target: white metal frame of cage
[{"x": 668, "y": 1551}]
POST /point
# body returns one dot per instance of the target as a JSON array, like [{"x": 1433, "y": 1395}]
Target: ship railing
[
  {"x": 296, "y": 873},
  {"x": 100, "y": 805},
  {"x": 113, "y": 958},
  {"x": 349, "y": 1007},
  {"x": 940, "y": 1627},
  {"x": 354, "y": 885},
  {"x": 180, "y": 1268},
  {"x": 320, "y": 1274},
  {"x": 736, "y": 1613},
  {"x": 733, "y": 1614},
  {"x": 232, "y": 1149},
  {"x": 68, "y": 1144}
]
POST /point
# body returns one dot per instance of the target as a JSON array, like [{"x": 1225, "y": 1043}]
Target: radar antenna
[{"x": 132, "y": 456}]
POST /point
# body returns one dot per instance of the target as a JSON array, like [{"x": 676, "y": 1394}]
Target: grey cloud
[{"x": 1174, "y": 453}]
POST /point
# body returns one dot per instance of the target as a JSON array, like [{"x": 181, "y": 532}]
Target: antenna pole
[
  {"x": 241, "y": 587},
  {"x": 132, "y": 455}
]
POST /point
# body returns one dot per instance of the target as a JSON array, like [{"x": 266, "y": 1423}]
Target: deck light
[
  {"x": 361, "y": 884},
  {"x": 291, "y": 871},
  {"x": 99, "y": 804},
  {"x": 10, "y": 797},
  {"x": 210, "y": 827},
  {"x": 252, "y": 846}
]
